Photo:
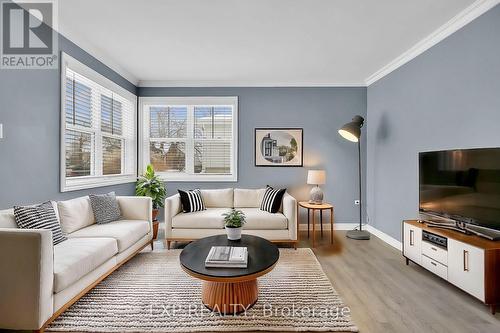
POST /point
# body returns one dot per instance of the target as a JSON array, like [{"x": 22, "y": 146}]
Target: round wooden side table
[{"x": 317, "y": 207}]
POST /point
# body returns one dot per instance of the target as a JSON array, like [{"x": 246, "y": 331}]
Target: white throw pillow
[
  {"x": 75, "y": 214},
  {"x": 220, "y": 198},
  {"x": 7, "y": 219},
  {"x": 248, "y": 198}
]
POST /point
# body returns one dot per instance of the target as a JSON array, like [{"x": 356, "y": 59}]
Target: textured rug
[{"x": 151, "y": 293}]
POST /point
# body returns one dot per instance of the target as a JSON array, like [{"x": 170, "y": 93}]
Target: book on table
[{"x": 227, "y": 257}]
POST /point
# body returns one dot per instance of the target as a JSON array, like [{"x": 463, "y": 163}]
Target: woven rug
[{"x": 151, "y": 293}]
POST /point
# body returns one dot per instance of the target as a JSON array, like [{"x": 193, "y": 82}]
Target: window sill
[
  {"x": 81, "y": 183},
  {"x": 197, "y": 178}
]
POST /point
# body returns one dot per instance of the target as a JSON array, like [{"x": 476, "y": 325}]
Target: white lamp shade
[{"x": 316, "y": 177}]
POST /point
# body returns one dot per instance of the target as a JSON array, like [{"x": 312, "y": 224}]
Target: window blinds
[
  {"x": 100, "y": 129},
  {"x": 191, "y": 139}
]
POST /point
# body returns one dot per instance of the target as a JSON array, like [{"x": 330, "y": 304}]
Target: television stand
[{"x": 468, "y": 261}]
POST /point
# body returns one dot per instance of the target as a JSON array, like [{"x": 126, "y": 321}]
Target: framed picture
[{"x": 279, "y": 147}]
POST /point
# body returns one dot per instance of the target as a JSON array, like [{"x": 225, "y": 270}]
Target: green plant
[
  {"x": 234, "y": 219},
  {"x": 149, "y": 185}
]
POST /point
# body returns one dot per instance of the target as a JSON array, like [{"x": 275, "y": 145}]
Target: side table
[{"x": 317, "y": 207}]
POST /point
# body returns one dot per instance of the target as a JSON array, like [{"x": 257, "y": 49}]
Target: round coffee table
[{"x": 230, "y": 290}]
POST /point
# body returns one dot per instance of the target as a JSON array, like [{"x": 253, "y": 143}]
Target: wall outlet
[{"x": 357, "y": 202}]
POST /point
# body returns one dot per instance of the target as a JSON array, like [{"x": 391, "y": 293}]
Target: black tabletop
[{"x": 262, "y": 254}]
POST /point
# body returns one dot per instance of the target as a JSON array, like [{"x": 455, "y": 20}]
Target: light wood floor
[{"x": 385, "y": 295}]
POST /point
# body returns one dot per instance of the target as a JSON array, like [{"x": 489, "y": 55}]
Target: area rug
[{"x": 151, "y": 293}]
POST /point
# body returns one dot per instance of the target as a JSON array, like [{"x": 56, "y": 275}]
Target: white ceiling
[{"x": 252, "y": 42}]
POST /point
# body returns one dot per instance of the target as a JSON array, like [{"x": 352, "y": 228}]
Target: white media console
[{"x": 469, "y": 262}]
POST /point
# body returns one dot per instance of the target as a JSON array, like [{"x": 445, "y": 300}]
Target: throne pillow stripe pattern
[
  {"x": 192, "y": 201},
  {"x": 271, "y": 201},
  {"x": 42, "y": 216}
]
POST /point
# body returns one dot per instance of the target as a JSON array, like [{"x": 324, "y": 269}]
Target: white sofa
[
  {"x": 279, "y": 227},
  {"x": 39, "y": 281}
]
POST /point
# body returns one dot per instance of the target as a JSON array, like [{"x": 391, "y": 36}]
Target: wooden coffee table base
[{"x": 230, "y": 297}]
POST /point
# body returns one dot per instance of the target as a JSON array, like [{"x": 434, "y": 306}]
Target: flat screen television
[{"x": 461, "y": 185}]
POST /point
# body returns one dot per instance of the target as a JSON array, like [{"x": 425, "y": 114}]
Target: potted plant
[
  {"x": 150, "y": 185},
  {"x": 233, "y": 222}
]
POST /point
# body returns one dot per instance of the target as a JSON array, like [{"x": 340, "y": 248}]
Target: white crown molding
[
  {"x": 470, "y": 13},
  {"x": 240, "y": 83},
  {"x": 457, "y": 22},
  {"x": 88, "y": 47},
  {"x": 101, "y": 56}
]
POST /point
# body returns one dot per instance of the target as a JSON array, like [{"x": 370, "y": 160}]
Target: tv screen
[{"x": 463, "y": 185}]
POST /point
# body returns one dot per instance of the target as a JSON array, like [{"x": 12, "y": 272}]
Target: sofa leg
[
  {"x": 151, "y": 245},
  {"x": 295, "y": 245},
  {"x": 168, "y": 245}
]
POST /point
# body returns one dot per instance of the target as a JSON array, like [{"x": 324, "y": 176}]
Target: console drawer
[
  {"x": 435, "y": 267},
  {"x": 435, "y": 252}
]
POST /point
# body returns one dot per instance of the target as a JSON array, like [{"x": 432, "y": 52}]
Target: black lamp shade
[{"x": 352, "y": 131}]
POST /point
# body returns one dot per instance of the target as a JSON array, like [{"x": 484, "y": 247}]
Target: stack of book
[{"x": 227, "y": 257}]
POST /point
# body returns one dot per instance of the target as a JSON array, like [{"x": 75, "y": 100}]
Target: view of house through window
[
  {"x": 196, "y": 140},
  {"x": 99, "y": 133}
]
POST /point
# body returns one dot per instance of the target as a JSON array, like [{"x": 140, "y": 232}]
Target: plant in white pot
[{"x": 233, "y": 221}]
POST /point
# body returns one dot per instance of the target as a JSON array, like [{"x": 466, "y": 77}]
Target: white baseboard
[
  {"x": 350, "y": 226},
  {"x": 326, "y": 226},
  {"x": 385, "y": 237}
]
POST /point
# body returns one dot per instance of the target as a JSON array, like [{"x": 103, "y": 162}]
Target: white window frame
[
  {"x": 190, "y": 102},
  {"x": 84, "y": 182}
]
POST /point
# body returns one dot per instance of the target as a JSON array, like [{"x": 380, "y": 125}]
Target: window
[
  {"x": 190, "y": 138},
  {"x": 98, "y": 145}
]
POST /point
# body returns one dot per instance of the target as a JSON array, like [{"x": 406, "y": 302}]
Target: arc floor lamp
[{"x": 352, "y": 132}]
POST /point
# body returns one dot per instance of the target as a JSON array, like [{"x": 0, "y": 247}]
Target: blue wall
[
  {"x": 445, "y": 98},
  {"x": 320, "y": 111},
  {"x": 30, "y": 113},
  {"x": 448, "y": 97}
]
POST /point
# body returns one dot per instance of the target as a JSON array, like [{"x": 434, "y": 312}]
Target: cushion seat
[
  {"x": 211, "y": 218},
  {"x": 76, "y": 257},
  {"x": 126, "y": 232},
  {"x": 257, "y": 219}
]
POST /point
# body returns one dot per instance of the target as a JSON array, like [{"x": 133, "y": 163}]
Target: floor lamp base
[{"x": 358, "y": 234}]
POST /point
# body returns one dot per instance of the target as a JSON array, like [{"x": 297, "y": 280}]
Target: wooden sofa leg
[
  {"x": 168, "y": 245},
  {"x": 151, "y": 245}
]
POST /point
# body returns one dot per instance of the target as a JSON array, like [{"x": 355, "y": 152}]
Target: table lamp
[{"x": 316, "y": 177}]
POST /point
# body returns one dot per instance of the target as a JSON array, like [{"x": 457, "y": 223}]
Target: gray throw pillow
[{"x": 105, "y": 207}]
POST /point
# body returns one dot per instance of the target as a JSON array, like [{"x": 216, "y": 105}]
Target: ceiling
[{"x": 252, "y": 42}]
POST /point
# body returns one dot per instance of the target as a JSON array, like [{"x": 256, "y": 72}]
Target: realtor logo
[{"x": 28, "y": 37}]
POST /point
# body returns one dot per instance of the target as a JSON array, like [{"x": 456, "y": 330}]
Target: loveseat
[
  {"x": 38, "y": 280},
  {"x": 280, "y": 227}
]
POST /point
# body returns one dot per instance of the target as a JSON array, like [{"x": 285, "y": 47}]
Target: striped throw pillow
[
  {"x": 41, "y": 216},
  {"x": 192, "y": 201},
  {"x": 271, "y": 201}
]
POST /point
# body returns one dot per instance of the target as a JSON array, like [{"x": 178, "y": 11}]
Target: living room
[{"x": 342, "y": 156}]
